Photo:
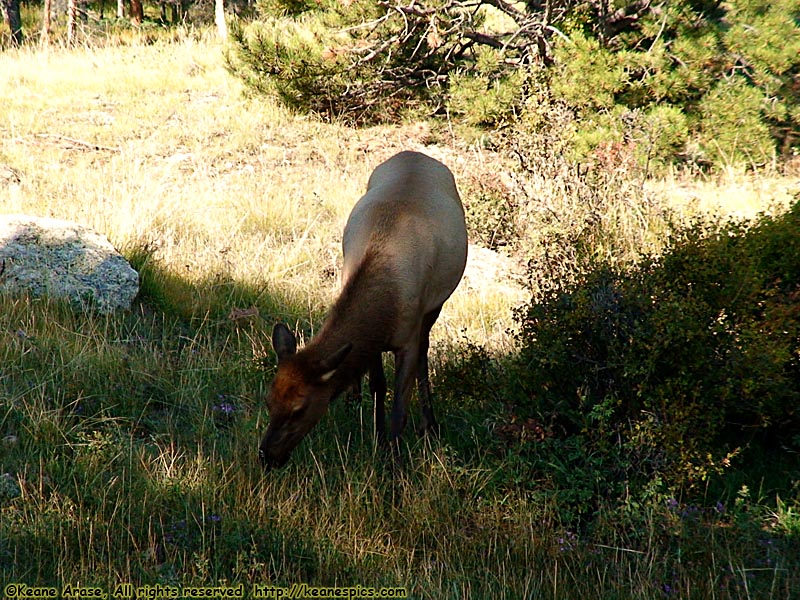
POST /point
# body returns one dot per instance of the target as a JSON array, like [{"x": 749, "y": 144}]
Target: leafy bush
[
  {"x": 732, "y": 127},
  {"x": 565, "y": 214},
  {"x": 288, "y": 58},
  {"x": 679, "y": 367},
  {"x": 374, "y": 61},
  {"x": 488, "y": 93}
]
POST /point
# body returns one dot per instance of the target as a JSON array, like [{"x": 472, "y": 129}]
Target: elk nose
[
  {"x": 269, "y": 462},
  {"x": 262, "y": 458}
]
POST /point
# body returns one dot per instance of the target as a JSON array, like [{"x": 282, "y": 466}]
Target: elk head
[{"x": 300, "y": 394}]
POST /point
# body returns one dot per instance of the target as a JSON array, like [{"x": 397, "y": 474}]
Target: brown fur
[{"x": 365, "y": 324}]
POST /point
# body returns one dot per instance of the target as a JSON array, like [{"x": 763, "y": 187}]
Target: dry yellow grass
[
  {"x": 733, "y": 192},
  {"x": 156, "y": 144}
]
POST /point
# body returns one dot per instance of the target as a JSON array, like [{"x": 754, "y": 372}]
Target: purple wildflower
[
  {"x": 567, "y": 541},
  {"x": 226, "y": 408}
]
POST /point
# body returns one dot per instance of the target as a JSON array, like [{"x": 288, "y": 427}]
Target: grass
[{"x": 129, "y": 441}]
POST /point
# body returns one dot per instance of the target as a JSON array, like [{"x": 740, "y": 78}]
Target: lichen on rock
[{"x": 50, "y": 257}]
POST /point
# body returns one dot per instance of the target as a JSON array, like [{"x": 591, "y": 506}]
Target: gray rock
[
  {"x": 9, "y": 488},
  {"x": 50, "y": 257}
]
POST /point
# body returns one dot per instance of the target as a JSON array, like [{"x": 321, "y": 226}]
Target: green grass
[{"x": 129, "y": 441}]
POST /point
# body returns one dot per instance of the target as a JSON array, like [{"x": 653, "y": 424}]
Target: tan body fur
[{"x": 405, "y": 249}]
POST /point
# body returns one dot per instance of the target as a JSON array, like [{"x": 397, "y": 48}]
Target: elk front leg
[{"x": 377, "y": 389}]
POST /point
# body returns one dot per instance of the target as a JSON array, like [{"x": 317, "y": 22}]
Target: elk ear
[
  {"x": 329, "y": 365},
  {"x": 283, "y": 341}
]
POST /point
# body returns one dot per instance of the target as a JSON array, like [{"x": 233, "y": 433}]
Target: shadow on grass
[{"x": 216, "y": 297}]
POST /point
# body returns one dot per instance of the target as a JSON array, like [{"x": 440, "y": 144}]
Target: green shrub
[
  {"x": 714, "y": 64},
  {"x": 357, "y": 61},
  {"x": 732, "y": 128},
  {"x": 588, "y": 77},
  {"x": 679, "y": 367},
  {"x": 487, "y": 94},
  {"x": 663, "y": 132},
  {"x": 288, "y": 58}
]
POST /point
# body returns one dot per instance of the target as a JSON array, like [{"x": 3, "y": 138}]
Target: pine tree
[{"x": 698, "y": 80}]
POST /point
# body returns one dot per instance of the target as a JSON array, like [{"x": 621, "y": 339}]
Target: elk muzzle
[{"x": 274, "y": 451}]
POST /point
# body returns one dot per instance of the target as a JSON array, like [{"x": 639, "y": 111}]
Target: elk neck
[{"x": 364, "y": 315}]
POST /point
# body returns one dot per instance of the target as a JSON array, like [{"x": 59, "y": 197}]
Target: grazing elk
[{"x": 405, "y": 249}]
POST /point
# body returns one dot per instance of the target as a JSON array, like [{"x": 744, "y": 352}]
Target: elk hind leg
[{"x": 428, "y": 423}]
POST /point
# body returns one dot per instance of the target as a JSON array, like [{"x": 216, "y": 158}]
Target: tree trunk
[
  {"x": 46, "y": 14},
  {"x": 72, "y": 21},
  {"x": 137, "y": 12},
  {"x": 12, "y": 14},
  {"x": 219, "y": 17},
  {"x": 120, "y": 9}
]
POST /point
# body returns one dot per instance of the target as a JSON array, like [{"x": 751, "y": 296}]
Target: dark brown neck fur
[{"x": 364, "y": 315}]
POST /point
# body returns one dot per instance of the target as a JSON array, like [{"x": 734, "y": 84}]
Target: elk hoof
[{"x": 429, "y": 429}]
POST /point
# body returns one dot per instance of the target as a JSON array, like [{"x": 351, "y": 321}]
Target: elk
[{"x": 405, "y": 250}]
